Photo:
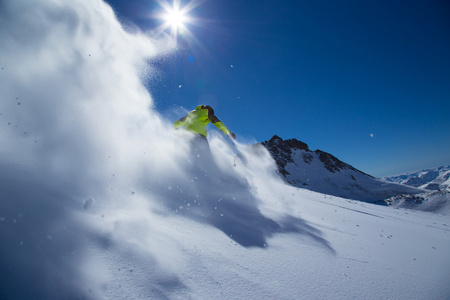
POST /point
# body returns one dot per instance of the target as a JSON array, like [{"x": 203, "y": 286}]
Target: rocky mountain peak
[
  {"x": 322, "y": 172},
  {"x": 291, "y": 143},
  {"x": 282, "y": 150}
]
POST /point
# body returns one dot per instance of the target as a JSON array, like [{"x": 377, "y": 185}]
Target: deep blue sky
[{"x": 367, "y": 81}]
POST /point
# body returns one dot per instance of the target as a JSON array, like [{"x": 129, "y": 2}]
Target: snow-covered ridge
[
  {"x": 430, "y": 179},
  {"x": 322, "y": 172}
]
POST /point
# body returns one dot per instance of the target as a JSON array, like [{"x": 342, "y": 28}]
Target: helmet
[{"x": 209, "y": 108}]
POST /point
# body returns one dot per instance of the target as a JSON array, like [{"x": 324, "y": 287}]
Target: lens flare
[{"x": 176, "y": 17}]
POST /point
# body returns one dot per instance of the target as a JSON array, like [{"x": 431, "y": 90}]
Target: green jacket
[{"x": 197, "y": 120}]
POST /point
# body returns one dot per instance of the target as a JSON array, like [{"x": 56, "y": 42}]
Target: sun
[{"x": 176, "y": 17}]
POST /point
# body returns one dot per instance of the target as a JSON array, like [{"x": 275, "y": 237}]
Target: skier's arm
[
  {"x": 221, "y": 126},
  {"x": 180, "y": 122}
]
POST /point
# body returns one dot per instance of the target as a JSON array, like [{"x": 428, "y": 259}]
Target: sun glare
[{"x": 176, "y": 17}]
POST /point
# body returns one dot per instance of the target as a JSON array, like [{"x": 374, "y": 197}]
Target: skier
[{"x": 197, "y": 120}]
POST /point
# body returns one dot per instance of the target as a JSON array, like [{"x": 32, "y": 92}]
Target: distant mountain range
[
  {"x": 322, "y": 172},
  {"x": 437, "y": 183},
  {"x": 430, "y": 179}
]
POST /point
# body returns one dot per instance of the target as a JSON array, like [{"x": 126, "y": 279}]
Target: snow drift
[{"x": 99, "y": 200}]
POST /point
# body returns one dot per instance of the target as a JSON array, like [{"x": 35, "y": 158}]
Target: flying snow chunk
[
  {"x": 371, "y": 135},
  {"x": 88, "y": 202},
  {"x": 180, "y": 86}
]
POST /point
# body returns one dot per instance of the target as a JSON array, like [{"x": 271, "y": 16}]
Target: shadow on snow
[{"x": 209, "y": 195}]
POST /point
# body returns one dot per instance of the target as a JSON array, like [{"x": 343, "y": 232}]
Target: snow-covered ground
[
  {"x": 275, "y": 242},
  {"x": 100, "y": 200}
]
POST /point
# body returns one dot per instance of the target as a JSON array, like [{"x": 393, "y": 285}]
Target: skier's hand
[{"x": 232, "y": 136}]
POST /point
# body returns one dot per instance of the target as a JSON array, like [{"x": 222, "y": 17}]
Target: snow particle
[
  {"x": 371, "y": 135},
  {"x": 88, "y": 203},
  {"x": 180, "y": 86}
]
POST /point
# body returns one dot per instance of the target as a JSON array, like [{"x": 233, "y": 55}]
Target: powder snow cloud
[
  {"x": 76, "y": 125},
  {"x": 90, "y": 165}
]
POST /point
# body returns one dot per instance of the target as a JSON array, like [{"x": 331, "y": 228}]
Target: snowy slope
[
  {"x": 322, "y": 172},
  {"x": 430, "y": 179},
  {"x": 289, "y": 244},
  {"x": 99, "y": 200}
]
